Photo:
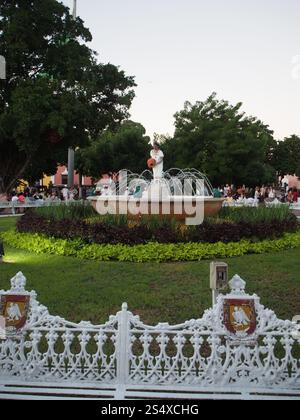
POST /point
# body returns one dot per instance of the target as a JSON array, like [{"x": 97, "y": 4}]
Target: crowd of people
[
  {"x": 262, "y": 194},
  {"x": 40, "y": 195}
]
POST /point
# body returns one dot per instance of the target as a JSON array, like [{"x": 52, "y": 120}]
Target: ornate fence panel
[{"x": 237, "y": 350}]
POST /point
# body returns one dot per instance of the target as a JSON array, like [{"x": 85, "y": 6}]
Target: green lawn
[
  {"x": 89, "y": 290},
  {"x": 7, "y": 223}
]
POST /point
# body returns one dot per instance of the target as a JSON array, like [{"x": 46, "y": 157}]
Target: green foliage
[
  {"x": 157, "y": 222},
  {"x": 150, "y": 252},
  {"x": 220, "y": 140},
  {"x": 76, "y": 210},
  {"x": 171, "y": 292},
  {"x": 56, "y": 95},
  {"x": 109, "y": 219},
  {"x": 122, "y": 220},
  {"x": 124, "y": 148},
  {"x": 79, "y": 220},
  {"x": 84, "y": 210},
  {"x": 7, "y": 223},
  {"x": 256, "y": 214},
  {"x": 286, "y": 156}
]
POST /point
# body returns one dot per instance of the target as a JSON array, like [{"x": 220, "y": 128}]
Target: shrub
[
  {"x": 254, "y": 215},
  {"x": 117, "y": 229},
  {"x": 74, "y": 210},
  {"x": 234, "y": 232},
  {"x": 150, "y": 252}
]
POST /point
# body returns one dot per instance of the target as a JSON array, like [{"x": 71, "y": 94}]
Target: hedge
[
  {"x": 266, "y": 224},
  {"x": 150, "y": 252}
]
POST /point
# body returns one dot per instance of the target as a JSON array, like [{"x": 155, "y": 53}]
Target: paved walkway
[
  {"x": 10, "y": 215},
  {"x": 297, "y": 212}
]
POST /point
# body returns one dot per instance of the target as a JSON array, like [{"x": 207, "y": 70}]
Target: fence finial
[
  {"x": 237, "y": 285},
  {"x": 18, "y": 282}
]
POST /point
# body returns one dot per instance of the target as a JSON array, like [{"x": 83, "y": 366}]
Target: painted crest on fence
[
  {"x": 14, "y": 309},
  {"x": 240, "y": 316}
]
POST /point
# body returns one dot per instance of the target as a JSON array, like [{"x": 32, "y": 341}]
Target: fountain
[{"x": 177, "y": 193}]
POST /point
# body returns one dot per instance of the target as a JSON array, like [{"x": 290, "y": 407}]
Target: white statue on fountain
[
  {"x": 158, "y": 188},
  {"x": 158, "y": 155}
]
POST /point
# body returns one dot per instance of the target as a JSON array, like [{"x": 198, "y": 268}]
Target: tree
[
  {"x": 219, "y": 139},
  {"x": 124, "y": 148},
  {"x": 286, "y": 156},
  {"x": 56, "y": 94}
]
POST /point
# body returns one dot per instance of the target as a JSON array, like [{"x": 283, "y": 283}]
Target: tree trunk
[{"x": 6, "y": 187}]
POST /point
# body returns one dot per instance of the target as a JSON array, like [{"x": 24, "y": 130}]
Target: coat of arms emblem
[
  {"x": 240, "y": 317},
  {"x": 14, "y": 309}
]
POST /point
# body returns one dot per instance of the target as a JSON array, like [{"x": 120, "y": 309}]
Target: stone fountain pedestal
[{"x": 174, "y": 207}]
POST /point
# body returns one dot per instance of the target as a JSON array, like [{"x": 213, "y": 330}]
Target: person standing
[
  {"x": 21, "y": 198},
  {"x": 257, "y": 194},
  {"x": 73, "y": 194},
  {"x": 65, "y": 194},
  {"x": 14, "y": 202},
  {"x": 295, "y": 195},
  {"x": 226, "y": 191},
  {"x": 271, "y": 194}
]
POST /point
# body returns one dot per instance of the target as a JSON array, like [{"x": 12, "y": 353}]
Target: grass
[
  {"x": 90, "y": 290},
  {"x": 7, "y": 223}
]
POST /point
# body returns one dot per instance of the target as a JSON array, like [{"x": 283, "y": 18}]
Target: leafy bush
[
  {"x": 234, "y": 232},
  {"x": 255, "y": 215},
  {"x": 100, "y": 233},
  {"x": 150, "y": 252},
  {"x": 74, "y": 210},
  {"x": 120, "y": 230}
]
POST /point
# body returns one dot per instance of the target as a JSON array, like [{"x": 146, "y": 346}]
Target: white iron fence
[
  {"x": 237, "y": 350},
  {"x": 13, "y": 206}
]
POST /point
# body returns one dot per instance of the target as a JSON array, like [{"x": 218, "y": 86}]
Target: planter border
[{"x": 150, "y": 252}]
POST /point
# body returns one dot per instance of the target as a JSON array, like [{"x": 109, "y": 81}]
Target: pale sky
[{"x": 180, "y": 50}]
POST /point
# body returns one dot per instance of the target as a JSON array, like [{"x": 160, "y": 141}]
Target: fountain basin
[{"x": 177, "y": 207}]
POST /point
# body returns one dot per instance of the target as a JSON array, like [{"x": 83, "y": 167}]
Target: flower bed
[
  {"x": 150, "y": 252},
  {"x": 233, "y": 227}
]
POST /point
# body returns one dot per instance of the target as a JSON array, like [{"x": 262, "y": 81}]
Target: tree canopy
[
  {"x": 125, "y": 148},
  {"x": 219, "y": 139},
  {"x": 286, "y": 156},
  {"x": 56, "y": 94}
]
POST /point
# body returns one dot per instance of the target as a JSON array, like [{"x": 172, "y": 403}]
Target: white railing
[
  {"x": 37, "y": 203},
  {"x": 8, "y": 205},
  {"x": 50, "y": 357},
  {"x": 245, "y": 202},
  {"x": 251, "y": 202}
]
